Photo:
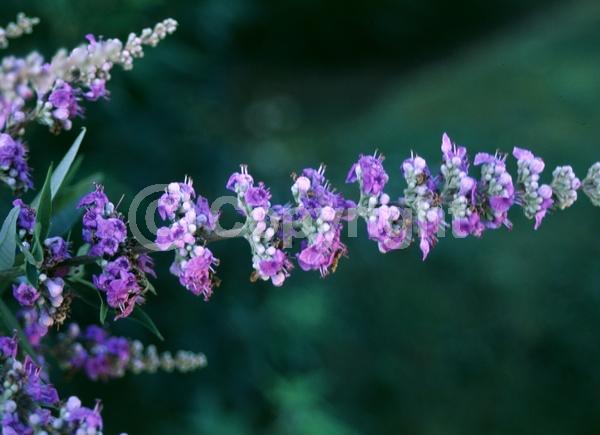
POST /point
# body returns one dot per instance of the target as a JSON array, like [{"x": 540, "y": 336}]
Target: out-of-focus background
[{"x": 499, "y": 335}]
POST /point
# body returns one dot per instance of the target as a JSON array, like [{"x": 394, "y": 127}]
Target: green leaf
[
  {"x": 103, "y": 309},
  {"x": 84, "y": 289},
  {"x": 8, "y": 239},
  {"x": 28, "y": 256},
  {"x": 63, "y": 167},
  {"x": 32, "y": 274},
  {"x": 43, "y": 214},
  {"x": 11, "y": 325},
  {"x": 141, "y": 317}
]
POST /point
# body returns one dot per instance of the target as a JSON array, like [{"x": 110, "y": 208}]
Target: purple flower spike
[{"x": 103, "y": 226}]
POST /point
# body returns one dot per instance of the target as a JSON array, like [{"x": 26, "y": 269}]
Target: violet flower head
[
  {"x": 119, "y": 282},
  {"x": 176, "y": 199},
  {"x": 321, "y": 212},
  {"x": 196, "y": 275},
  {"x": 96, "y": 90},
  {"x": 240, "y": 181},
  {"x": 204, "y": 215},
  {"x": 455, "y": 164},
  {"x": 65, "y": 101},
  {"x": 258, "y": 196},
  {"x": 535, "y": 199},
  {"x": 14, "y": 170},
  {"x": 8, "y": 347},
  {"x": 423, "y": 197},
  {"x": 496, "y": 190},
  {"x": 26, "y": 219},
  {"x": 103, "y": 226},
  {"x": 370, "y": 174},
  {"x": 25, "y": 294},
  {"x": 58, "y": 249},
  {"x": 390, "y": 226}
]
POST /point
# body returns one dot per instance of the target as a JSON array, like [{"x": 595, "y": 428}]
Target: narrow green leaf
[
  {"x": 11, "y": 325},
  {"x": 43, "y": 214},
  {"x": 32, "y": 274},
  {"x": 8, "y": 239},
  {"x": 84, "y": 289},
  {"x": 141, "y": 317},
  {"x": 103, "y": 309},
  {"x": 28, "y": 256},
  {"x": 63, "y": 167}
]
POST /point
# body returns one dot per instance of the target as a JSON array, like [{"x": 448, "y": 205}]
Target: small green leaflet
[
  {"x": 63, "y": 167},
  {"x": 8, "y": 239},
  {"x": 141, "y": 317},
  {"x": 61, "y": 170}
]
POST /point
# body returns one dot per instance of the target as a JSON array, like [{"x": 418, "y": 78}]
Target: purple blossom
[
  {"x": 58, "y": 249},
  {"x": 8, "y": 347},
  {"x": 454, "y": 155},
  {"x": 370, "y": 173},
  {"x": 535, "y": 200},
  {"x": 145, "y": 263},
  {"x": 26, "y": 220},
  {"x": 389, "y": 228},
  {"x": 258, "y": 196},
  {"x": 13, "y": 164},
  {"x": 96, "y": 90},
  {"x": 95, "y": 200},
  {"x": 240, "y": 181},
  {"x": 103, "y": 227},
  {"x": 196, "y": 273},
  {"x": 64, "y": 98},
  {"x": 276, "y": 268},
  {"x": 322, "y": 253},
  {"x": 35, "y": 327},
  {"x": 121, "y": 286},
  {"x": 204, "y": 215},
  {"x": 175, "y": 199},
  {"x": 25, "y": 294},
  {"x": 497, "y": 193}
]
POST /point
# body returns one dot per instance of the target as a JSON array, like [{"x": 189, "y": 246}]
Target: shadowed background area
[{"x": 498, "y": 335}]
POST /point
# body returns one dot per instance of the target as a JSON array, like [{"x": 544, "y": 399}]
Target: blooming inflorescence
[
  {"x": 103, "y": 356},
  {"x": 319, "y": 212},
  {"x": 29, "y": 404},
  {"x": 51, "y": 92},
  {"x": 189, "y": 220}
]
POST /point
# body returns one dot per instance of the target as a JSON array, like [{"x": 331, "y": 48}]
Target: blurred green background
[{"x": 497, "y": 336}]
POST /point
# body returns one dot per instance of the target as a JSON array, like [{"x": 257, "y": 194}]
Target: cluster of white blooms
[{"x": 24, "y": 25}]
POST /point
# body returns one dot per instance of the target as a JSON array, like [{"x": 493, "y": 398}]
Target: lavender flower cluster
[
  {"x": 29, "y": 404},
  {"x": 50, "y": 92},
  {"x": 188, "y": 219},
  {"x": 474, "y": 205},
  {"x": 102, "y": 356},
  {"x": 123, "y": 276},
  {"x": 44, "y": 303}
]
